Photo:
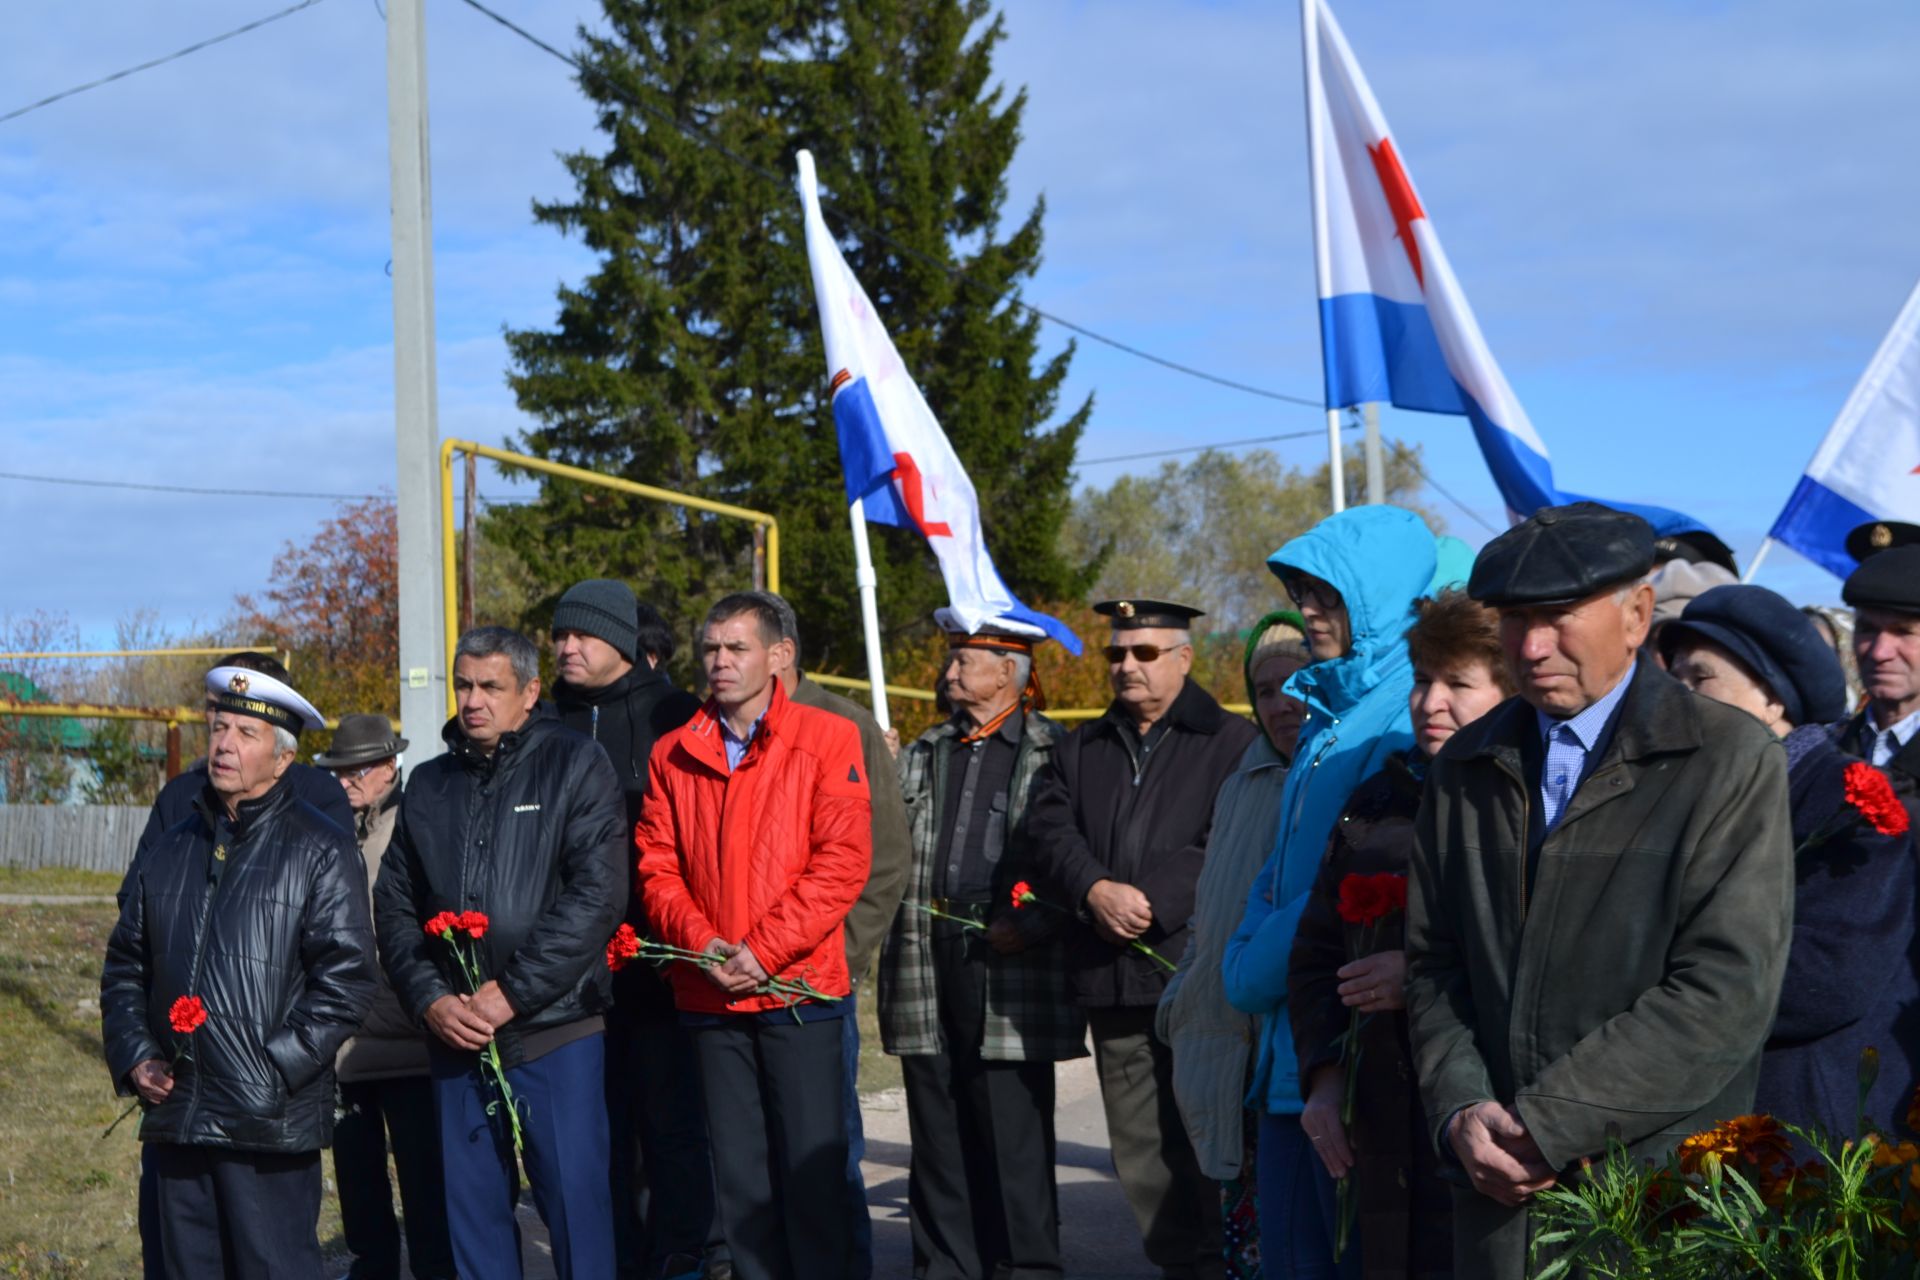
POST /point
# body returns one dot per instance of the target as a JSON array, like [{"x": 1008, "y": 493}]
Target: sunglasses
[
  {"x": 1311, "y": 591},
  {"x": 1142, "y": 653},
  {"x": 350, "y": 774}
]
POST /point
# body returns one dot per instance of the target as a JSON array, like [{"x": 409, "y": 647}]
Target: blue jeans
[
  {"x": 563, "y": 1115},
  {"x": 860, "y": 1266},
  {"x": 1298, "y": 1213}
]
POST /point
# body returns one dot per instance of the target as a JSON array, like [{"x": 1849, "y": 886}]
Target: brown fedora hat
[{"x": 361, "y": 739}]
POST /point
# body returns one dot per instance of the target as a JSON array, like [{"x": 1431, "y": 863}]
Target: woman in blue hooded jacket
[{"x": 1354, "y": 577}]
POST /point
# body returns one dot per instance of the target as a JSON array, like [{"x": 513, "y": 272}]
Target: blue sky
[{"x": 1683, "y": 227}]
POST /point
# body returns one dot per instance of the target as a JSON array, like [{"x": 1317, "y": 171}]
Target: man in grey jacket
[{"x": 1601, "y": 894}]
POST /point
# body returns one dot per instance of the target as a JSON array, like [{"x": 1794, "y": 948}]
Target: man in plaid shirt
[{"x": 973, "y": 989}]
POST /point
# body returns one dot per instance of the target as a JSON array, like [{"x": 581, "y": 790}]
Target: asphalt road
[{"x": 1098, "y": 1236}]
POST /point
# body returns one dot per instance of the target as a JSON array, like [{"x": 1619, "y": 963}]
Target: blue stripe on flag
[
  {"x": 1815, "y": 522},
  {"x": 865, "y": 458},
  {"x": 1047, "y": 623},
  {"x": 1379, "y": 350}
]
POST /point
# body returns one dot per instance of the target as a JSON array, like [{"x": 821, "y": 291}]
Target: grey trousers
[{"x": 1177, "y": 1208}]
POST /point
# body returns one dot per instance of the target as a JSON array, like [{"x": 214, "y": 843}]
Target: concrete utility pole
[
  {"x": 423, "y": 641},
  {"x": 1376, "y": 467}
]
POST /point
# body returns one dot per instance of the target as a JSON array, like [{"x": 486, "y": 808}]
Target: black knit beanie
[{"x": 604, "y": 608}]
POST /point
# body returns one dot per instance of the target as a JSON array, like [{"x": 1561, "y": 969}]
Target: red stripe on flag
[{"x": 907, "y": 472}]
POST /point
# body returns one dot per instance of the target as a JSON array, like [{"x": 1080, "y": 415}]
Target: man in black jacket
[
  {"x": 174, "y": 805},
  {"x": 610, "y": 653},
  {"x": 1118, "y": 828},
  {"x": 520, "y": 820},
  {"x": 242, "y": 960}
]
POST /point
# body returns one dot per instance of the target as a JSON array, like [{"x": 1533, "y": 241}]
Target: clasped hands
[
  {"x": 1499, "y": 1155},
  {"x": 740, "y": 973},
  {"x": 469, "y": 1021}
]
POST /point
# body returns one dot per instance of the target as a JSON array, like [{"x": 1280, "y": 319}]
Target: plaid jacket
[{"x": 1031, "y": 1015}]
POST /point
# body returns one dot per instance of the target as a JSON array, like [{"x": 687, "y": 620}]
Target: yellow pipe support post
[
  {"x": 893, "y": 690},
  {"x": 450, "y": 447}
]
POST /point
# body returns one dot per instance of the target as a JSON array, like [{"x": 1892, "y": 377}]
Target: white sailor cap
[
  {"x": 256, "y": 694},
  {"x": 995, "y": 631}
]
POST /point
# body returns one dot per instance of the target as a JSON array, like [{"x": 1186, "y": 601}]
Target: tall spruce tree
[{"x": 691, "y": 359}]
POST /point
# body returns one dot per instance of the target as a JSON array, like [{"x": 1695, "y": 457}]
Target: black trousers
[
  {"x": 372, "y": 1112},
  {"x": 981, "y": 1195},
  {"x": 662, "y": 1175},
  {"x": 237, "y": 1215},
  {"x": 775, "y": 1091}
]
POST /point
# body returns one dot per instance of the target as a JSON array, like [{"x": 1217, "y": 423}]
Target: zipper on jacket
[
  {"x": 593, "y": 724},
  {"x": 219, "y": 855},
  {"x": 1526, "y": 807}
]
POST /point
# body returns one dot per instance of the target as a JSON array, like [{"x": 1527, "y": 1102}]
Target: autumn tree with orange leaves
[{"x": 334, "y": 606}]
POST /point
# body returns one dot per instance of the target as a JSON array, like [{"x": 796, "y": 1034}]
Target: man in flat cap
[
  {"x": 1885, "y": 594},
  {"x": 1119, "y": 824},
  {"x": 1601, "y": 892},
  {"x": 242, "y": 960},
  {"x": 610, "y": 654},
  {"x": 386, "y": 1084},
  {"x": 973, "y": 989}
]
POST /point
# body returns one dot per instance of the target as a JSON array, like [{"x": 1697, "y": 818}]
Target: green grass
[
  {"x": 58, "y": 880},
  {"x": 68, "y": 1198}
]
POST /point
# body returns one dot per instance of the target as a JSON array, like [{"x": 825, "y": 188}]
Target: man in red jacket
[{"x": 754, "y": 841}]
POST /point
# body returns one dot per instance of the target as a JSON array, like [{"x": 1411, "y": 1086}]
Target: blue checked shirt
[{"x": 1569, "y": 743}]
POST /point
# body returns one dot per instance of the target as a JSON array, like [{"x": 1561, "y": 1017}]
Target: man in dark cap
[
  {"x": 973, "y": 988},
  {"x": 1885, "y": 594},
  {"x": 610, "y": 652},
  {"x": 1118, "y": 824},
  {"x": 386, "y": 1085},
  {"x": 1637, "y": 838},
  {"x": 241, "y": 961},
  {"x": 1870, "y": 539}
]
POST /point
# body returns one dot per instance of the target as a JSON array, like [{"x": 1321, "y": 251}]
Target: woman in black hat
[{"x": 1851, "y": 982}]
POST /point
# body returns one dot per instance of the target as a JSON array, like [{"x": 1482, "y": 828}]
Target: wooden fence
[{"x": 90, "y": 837}]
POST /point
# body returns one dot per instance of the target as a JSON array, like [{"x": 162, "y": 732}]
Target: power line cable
[
  {"x": 1202, "y": 448},
  {"x": 255, "y": 25},
  {"x": 87, "y": 483},
  {"x": 715, "y": 145}
]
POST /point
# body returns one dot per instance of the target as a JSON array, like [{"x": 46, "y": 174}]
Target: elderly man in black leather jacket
[{"x": 242, "y": 959}]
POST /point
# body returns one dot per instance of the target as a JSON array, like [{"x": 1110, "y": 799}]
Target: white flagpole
[
  {"x": 1753, "y": 565},
  {"x": 1322, "y": 256},
  {"x": 868, "y": 580}
]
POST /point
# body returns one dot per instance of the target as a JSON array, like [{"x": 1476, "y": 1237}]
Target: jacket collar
[
  {"x": 250, "y": 813},
  {"x": 1658, "y": 717},
  {"x": 510, "y": 745},
  {"x": 704, "y": 741},
  {"x": 641, "y": 678},
  {"x": 1194, "y": 710}
]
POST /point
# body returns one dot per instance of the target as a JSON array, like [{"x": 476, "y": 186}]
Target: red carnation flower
[
  {"x": 1365, "y": 899},
  {"x": 1869, "y": 791},
  {"x": 442, "y": 925},
  {"x": 1022, "y": 895},
  {"x": 187, "y": 1015},
  {"x": 622, "y": 947},
  {"x": 474, "y": 922}
]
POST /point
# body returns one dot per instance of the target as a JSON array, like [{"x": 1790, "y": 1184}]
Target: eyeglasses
[
  {"x": 354, "y": 775},
  {"x": 1305, "y": 590},
  {"x": 1142, "y": 653}
]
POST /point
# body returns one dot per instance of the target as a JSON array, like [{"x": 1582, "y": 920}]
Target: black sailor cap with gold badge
[
  {"x": 1135, "y": 615},
  {"x": 256, "y": 694},
  {"x": 1870, "y": 539}
]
